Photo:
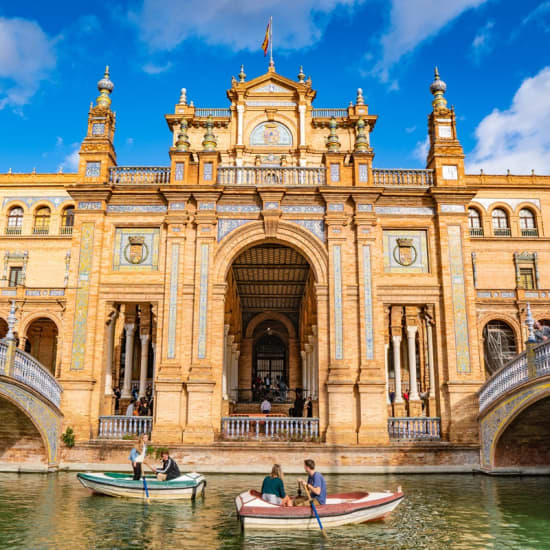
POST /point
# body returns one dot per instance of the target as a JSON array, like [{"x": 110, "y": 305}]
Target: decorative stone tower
[{"x": 97, "y": 153}]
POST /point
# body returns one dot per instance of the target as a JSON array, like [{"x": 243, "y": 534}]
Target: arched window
[
  {"x": 42, "y": 221},
  {"x": 474, "y": 221},
  {"x": 15, "y": 221},
  {"x": 501, "y": 228},
  {"x": 67, "y": 221},
  {"x": 527, "y": 223},
  {"x": 499, "y": 345}
]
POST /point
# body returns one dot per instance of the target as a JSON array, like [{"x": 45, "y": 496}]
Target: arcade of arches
[{"x": 270, "y": 327}]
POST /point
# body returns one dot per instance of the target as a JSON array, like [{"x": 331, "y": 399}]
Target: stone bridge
[
  {"x": 514, "y": 413},
  {"x": 29, "y": 396}
]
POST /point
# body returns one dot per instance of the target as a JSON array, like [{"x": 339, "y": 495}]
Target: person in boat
[
  {"x": 315, "y": 483},
  {"x": 169, "y": 469},
  {"x": 137, "y": 456},
  {"x": 273, "y": 488}
]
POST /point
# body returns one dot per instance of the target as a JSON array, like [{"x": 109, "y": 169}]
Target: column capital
[
  {"x": 144, "y": 337},
  {"x": 129, "y": 328},
  {"x": 396, "y": 338},
  {"x": 411, "y": 330}
]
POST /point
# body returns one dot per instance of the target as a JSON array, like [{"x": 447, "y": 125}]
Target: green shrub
[
  {"x": 156, "y": 451},
  {"x": 68, "y": 438}
]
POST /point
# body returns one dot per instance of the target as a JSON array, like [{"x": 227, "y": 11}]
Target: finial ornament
[
  {"x": 361, "y": 139},
  {"x": 438, "y": 88},
  {"x": 529, "y": 321},
  {"x": 333, "y": 143},
  {"x": 242, "y": 74},
  {"x": 12, "y": 321},
  {"x": 183, "y": 143},
  {"x": 360, "y": 100},
  {"x": 183, "y": 97},
  {"x": 209, "y": 142},
  {"x": 301, "y": 75},
  {"x": 105, "y": 87}
]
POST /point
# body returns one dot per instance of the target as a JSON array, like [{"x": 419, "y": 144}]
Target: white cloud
[
  {"x": 482, "y": 43},
  {"x": 410, "y": 130},
  {"x": 517, "y": 138},
  {"x": 70, "y": 162},
  {"x": 58, "y": 141},
  {"x": 152, "y": 68},
  {"x": 129, "y": 141},
  {"x": 27, "y": 56},
  {"x": 538, "y": 16},
  {"x": 421, "y": 150},
  {"x": 238, "y": 24},
  {"x": 412, "y": 22}
]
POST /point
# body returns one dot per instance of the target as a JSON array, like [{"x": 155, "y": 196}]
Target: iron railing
[
  {"x": 476, "y": 231},
  {"x": 502, "y": 232},
  {"x": 530, "y": 232}
]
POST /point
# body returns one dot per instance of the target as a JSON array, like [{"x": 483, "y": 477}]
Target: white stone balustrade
[
  {"x": 414, "y": 428},
  {"x": 271, "y": 175},
  {"x": 329, "y": 113},
  {"x": 403, "y": 178},
  {"x": 139, "y": 174},
  {"x": 216, "y": 112},
  {"x": 116, "y": 427},
  {"x": 276, "y": 428}
]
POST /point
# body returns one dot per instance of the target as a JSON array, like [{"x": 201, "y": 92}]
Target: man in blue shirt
[{"x": 316, "y": 483}]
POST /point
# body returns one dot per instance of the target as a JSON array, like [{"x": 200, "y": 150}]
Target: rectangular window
[
  {"x": 16, "y": 276},
  {"x": 179, "y": 171},
  {"x": 526, "y": 278},
  {"x": 334, "y": 171},
  {"x": 93, "y": 169},
  {"x": 208, "y": 171},
  {"x": 363, "y": 173}
]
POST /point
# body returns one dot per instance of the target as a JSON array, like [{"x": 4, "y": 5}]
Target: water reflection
[{"x": 439, "y": 512}]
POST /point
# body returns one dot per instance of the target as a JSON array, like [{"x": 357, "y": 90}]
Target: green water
[{"x": 453, "y": 511}]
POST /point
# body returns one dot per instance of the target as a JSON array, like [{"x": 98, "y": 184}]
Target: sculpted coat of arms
[
  {"x": 136, "y": 251},
  {"x": 404, "y": 252}
]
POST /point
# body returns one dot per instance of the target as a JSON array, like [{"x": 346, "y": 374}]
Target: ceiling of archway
[{"x": 270, "y": 278}]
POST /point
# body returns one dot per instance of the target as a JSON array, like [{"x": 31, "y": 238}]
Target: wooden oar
[{"x": 312, "y": 504}]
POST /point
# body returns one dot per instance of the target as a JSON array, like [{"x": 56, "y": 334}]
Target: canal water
[{"x": 439, "y": 512}]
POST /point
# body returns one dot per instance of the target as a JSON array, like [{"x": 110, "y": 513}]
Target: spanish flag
[{"x": 265, "y": 43}]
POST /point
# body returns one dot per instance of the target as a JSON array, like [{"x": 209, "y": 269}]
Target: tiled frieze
[
  {"x": 173, "y": 305},
  {"x": 203, "y": 299}
]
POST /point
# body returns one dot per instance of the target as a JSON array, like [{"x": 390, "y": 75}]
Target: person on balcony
[
  {"x": 137, "y": 456},
  {"x": 542, "y": 332},
  {"x": 131, "y": 408},
  {"x": 273, "y": 488},
  {"x": 265, "y": 407}
]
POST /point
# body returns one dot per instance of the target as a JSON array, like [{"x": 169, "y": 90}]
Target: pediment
[{"x": 270, "y": 87}]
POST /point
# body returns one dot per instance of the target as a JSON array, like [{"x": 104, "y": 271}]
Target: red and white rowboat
[{"x": 340, "y": 509}]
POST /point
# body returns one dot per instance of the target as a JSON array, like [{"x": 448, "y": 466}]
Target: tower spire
[
  {"x": 105, "y": 87},
  {"x": 438, "y": 88}
]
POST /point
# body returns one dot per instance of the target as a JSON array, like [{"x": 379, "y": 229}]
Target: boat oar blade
[
  {"x": 312, "y": 504},
  {"x": 146, "y": 489}
]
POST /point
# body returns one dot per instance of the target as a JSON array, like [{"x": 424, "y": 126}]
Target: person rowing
[{"x": 169, "y": 469}]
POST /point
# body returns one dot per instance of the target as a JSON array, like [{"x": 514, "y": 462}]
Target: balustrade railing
[
  {"x": 271, "y": 175},
  {"x": 139, "y": 174},
  {"x": 476, "y": 231},
  {"x": 66, "y": 230},
  {"x": 284, "y": 428},
  {"x": 329, "y": 113},
  {"x": 542, "y": 359},
  {"x": 502, "y": 232},
  {"x": 514, "y": 373},
  {"x": 116, "y": 427},
  {"x": 14, "y": 230},
  {"x": 28, "y": 370},
  {"x": 219, "y": 112},
  {"x": 414, "y": 428},
  {"x": 403, "y": 178},
  {"x": 530, "y": 232}
]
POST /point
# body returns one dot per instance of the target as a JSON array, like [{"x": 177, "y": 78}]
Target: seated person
[
  {"x": 169, "y": 469},
  {"x": 316, "y": 483},
  {"x": 265, "y": 407},
  {"x": 273, "y": 489}
]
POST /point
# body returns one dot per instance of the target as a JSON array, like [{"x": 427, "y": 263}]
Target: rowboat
[
  {"x": 340, "y": 509},
  {"x": 186, "y": 486}
]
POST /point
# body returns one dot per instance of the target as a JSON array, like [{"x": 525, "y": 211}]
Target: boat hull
[
  {"x": 257, "y": 514},
  {"x": 186, "y": 487}
]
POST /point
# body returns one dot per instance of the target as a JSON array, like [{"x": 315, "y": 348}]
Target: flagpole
[{"x": 271, "y": 41}]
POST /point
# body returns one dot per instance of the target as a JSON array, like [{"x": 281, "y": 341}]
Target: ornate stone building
[{"x": 271, "y": 247}]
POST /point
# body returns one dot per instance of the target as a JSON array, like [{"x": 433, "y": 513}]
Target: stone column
[
  {"x": 315, "y": 363},
  {"x": 386, "y": 370},
  {"x": 128, "y": 360},
  {"x": 225, "y": 362},
  {"x": 144, "y": 363},
  {"x": 411, "y": 341},
  {"x": 304, "y": 368},
  {"x": 309, "y": 372},
  {"x": 240, "y": 112},
  {"x": 235, "y": 372},
  {"x": 230, "y": 364},
  {"x": 109, "y": 354},
  {"x": 302, "y": 111},
  {"x": 396, "y": 341},
  {"x": 431, "y": 366}
]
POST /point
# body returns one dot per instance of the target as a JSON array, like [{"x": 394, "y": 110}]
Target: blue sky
[{"x": 494, "y": 56}]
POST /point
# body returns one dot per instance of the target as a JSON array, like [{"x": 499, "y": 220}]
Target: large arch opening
[
  {"x": 270, "y": 328},
  {"x": 20, "y": 440},
  {"x": 526, "y": 440},
  {"x": 499, "y": 345},
  {"x": 41, "y": 342}
]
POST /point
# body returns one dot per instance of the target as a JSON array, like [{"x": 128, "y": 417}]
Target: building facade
[{"x": 271, "y": 247}]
